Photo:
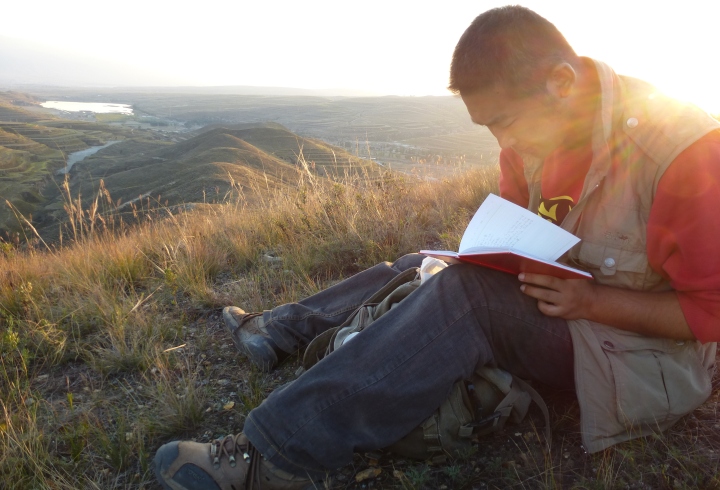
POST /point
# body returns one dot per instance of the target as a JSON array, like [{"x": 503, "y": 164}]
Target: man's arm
[
  {"x": 648, "y": 313},
  {"x": 683, "y": 234}
]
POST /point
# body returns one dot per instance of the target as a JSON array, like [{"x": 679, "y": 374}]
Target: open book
[{"x": 507, "y": 237}]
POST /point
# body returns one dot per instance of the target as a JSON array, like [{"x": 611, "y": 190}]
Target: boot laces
[{"x": 231, "y": 445}]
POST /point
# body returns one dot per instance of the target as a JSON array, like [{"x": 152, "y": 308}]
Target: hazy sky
[{"x": 387, "y": 47}]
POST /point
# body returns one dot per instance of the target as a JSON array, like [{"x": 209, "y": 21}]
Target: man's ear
[{"x": 561, "y": 80}]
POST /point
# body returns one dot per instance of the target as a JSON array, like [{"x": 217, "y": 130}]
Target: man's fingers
[
  {"x": 539, "y": 293},
  {"x": 538, "y": 279},
  {"x": 549, "y": 309}
]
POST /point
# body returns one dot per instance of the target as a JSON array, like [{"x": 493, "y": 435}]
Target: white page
[{"x": 501, "y": 224}]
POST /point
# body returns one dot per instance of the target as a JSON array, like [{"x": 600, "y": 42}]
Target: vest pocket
[
  {"x": 658, "y": 384},
  {"x": 610, "y": 259}
]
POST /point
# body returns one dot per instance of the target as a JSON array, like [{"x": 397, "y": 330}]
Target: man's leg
[
  {"x": 292, "y": 326},
  {"x": 393, "y": 375}
]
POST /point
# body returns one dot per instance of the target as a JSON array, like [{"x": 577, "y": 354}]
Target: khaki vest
[{"x": 629, "y": 385}]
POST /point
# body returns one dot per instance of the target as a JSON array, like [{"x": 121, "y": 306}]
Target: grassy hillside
[
  {"x": 112, "y": 345},
  {"x": 14, "y": 107},
  {"x": 279, "y": 142},
  {"x": 145, "y": 168},
  {"x": 246, "y": 161},
  {"x": 30, "y": 153},
  {"x": 33, "y": 147}
]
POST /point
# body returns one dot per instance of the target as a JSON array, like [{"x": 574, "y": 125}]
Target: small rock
[
  {"x": 367, "y": 474},
  {"x": 566, "y": 455},
  {"x": 128, "y": 436},
  {"x": 223, "y": 382},
  {"x": 229, "y": 406},
  {"x": 29, "y": 402}
]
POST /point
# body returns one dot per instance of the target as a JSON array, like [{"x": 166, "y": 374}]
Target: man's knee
[
  {"x": 408, "y": 261},
  {"x": 471, "y": 275}
]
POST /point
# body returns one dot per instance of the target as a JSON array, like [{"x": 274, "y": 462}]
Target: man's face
[{"x": 532, "y": 126}]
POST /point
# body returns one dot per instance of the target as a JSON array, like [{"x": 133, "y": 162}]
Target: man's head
[
  {"x": 519, "y": 77},
  {"x": 512, "y": 47}
]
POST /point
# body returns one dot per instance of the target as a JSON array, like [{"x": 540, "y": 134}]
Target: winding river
[{"x": 78, "y": 156}]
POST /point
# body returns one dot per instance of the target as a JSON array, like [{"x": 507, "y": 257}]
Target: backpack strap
[
  {"x": 326, "y": 342},
  {"x": 449, "y": 426},
  {"x": 506, "y": 397},
  {"x": 540, "y": 403}
]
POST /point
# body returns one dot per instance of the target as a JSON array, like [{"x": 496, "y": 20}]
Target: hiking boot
[
  {"x": 251, "y": 338},
  {"x": 231, "y": 463}
]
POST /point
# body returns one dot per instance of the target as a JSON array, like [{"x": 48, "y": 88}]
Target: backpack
[{"x": 476, "y": 407}]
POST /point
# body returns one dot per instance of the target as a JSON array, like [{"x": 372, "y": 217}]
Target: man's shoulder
[{"x": 661, "y": 126}]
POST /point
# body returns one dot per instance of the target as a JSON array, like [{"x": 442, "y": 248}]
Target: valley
[
  {"x": 179, "y": 149},
  {"x": 412, "y": 130}
]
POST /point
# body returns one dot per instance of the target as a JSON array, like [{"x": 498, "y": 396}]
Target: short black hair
[{"x": 510, "y": 46}]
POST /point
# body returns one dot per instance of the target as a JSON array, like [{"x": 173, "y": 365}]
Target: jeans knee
[
  {"x": 461, "y": 275},
  {"x": 408, "y": 261}
]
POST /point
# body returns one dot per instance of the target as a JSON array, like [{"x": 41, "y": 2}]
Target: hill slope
[
  {"x": 32, "y": 150},
  {"x": 250, "y": 160}
]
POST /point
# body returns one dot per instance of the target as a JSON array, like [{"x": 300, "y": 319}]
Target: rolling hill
[
  {"x": 33, "y": 147},
  {"x": 202, "y": 167},
  {"x": 169, "y": 170}
]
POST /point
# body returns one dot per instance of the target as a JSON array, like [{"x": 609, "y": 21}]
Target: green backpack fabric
[{"x": 476, "y": 407}]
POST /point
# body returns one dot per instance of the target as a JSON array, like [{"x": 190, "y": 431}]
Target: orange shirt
[{"x": 683, "y": 230}]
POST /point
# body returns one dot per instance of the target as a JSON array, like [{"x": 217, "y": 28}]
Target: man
[{"x": 635, "y": 175}]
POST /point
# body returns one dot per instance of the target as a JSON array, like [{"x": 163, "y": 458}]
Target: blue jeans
[{"x": 395, "y": 373}]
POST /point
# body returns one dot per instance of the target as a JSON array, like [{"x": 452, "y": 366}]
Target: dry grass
[{"x": 110, "y": 343}]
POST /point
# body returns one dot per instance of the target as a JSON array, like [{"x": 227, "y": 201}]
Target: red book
[{"x": 509, "y": 238}]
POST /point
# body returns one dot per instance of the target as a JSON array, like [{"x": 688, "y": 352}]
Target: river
[{"x": 78, "y": 156}]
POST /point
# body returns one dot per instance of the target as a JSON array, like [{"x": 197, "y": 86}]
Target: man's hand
[
  {"x": 655, "y": 314},
  {"x": 570, "y": 299}
]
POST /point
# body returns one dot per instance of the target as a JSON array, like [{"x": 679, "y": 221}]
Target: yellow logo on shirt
[{"x": 551, "y": 210}]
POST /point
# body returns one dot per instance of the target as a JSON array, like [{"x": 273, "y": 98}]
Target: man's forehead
[{"x": 488, "y": 106}]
